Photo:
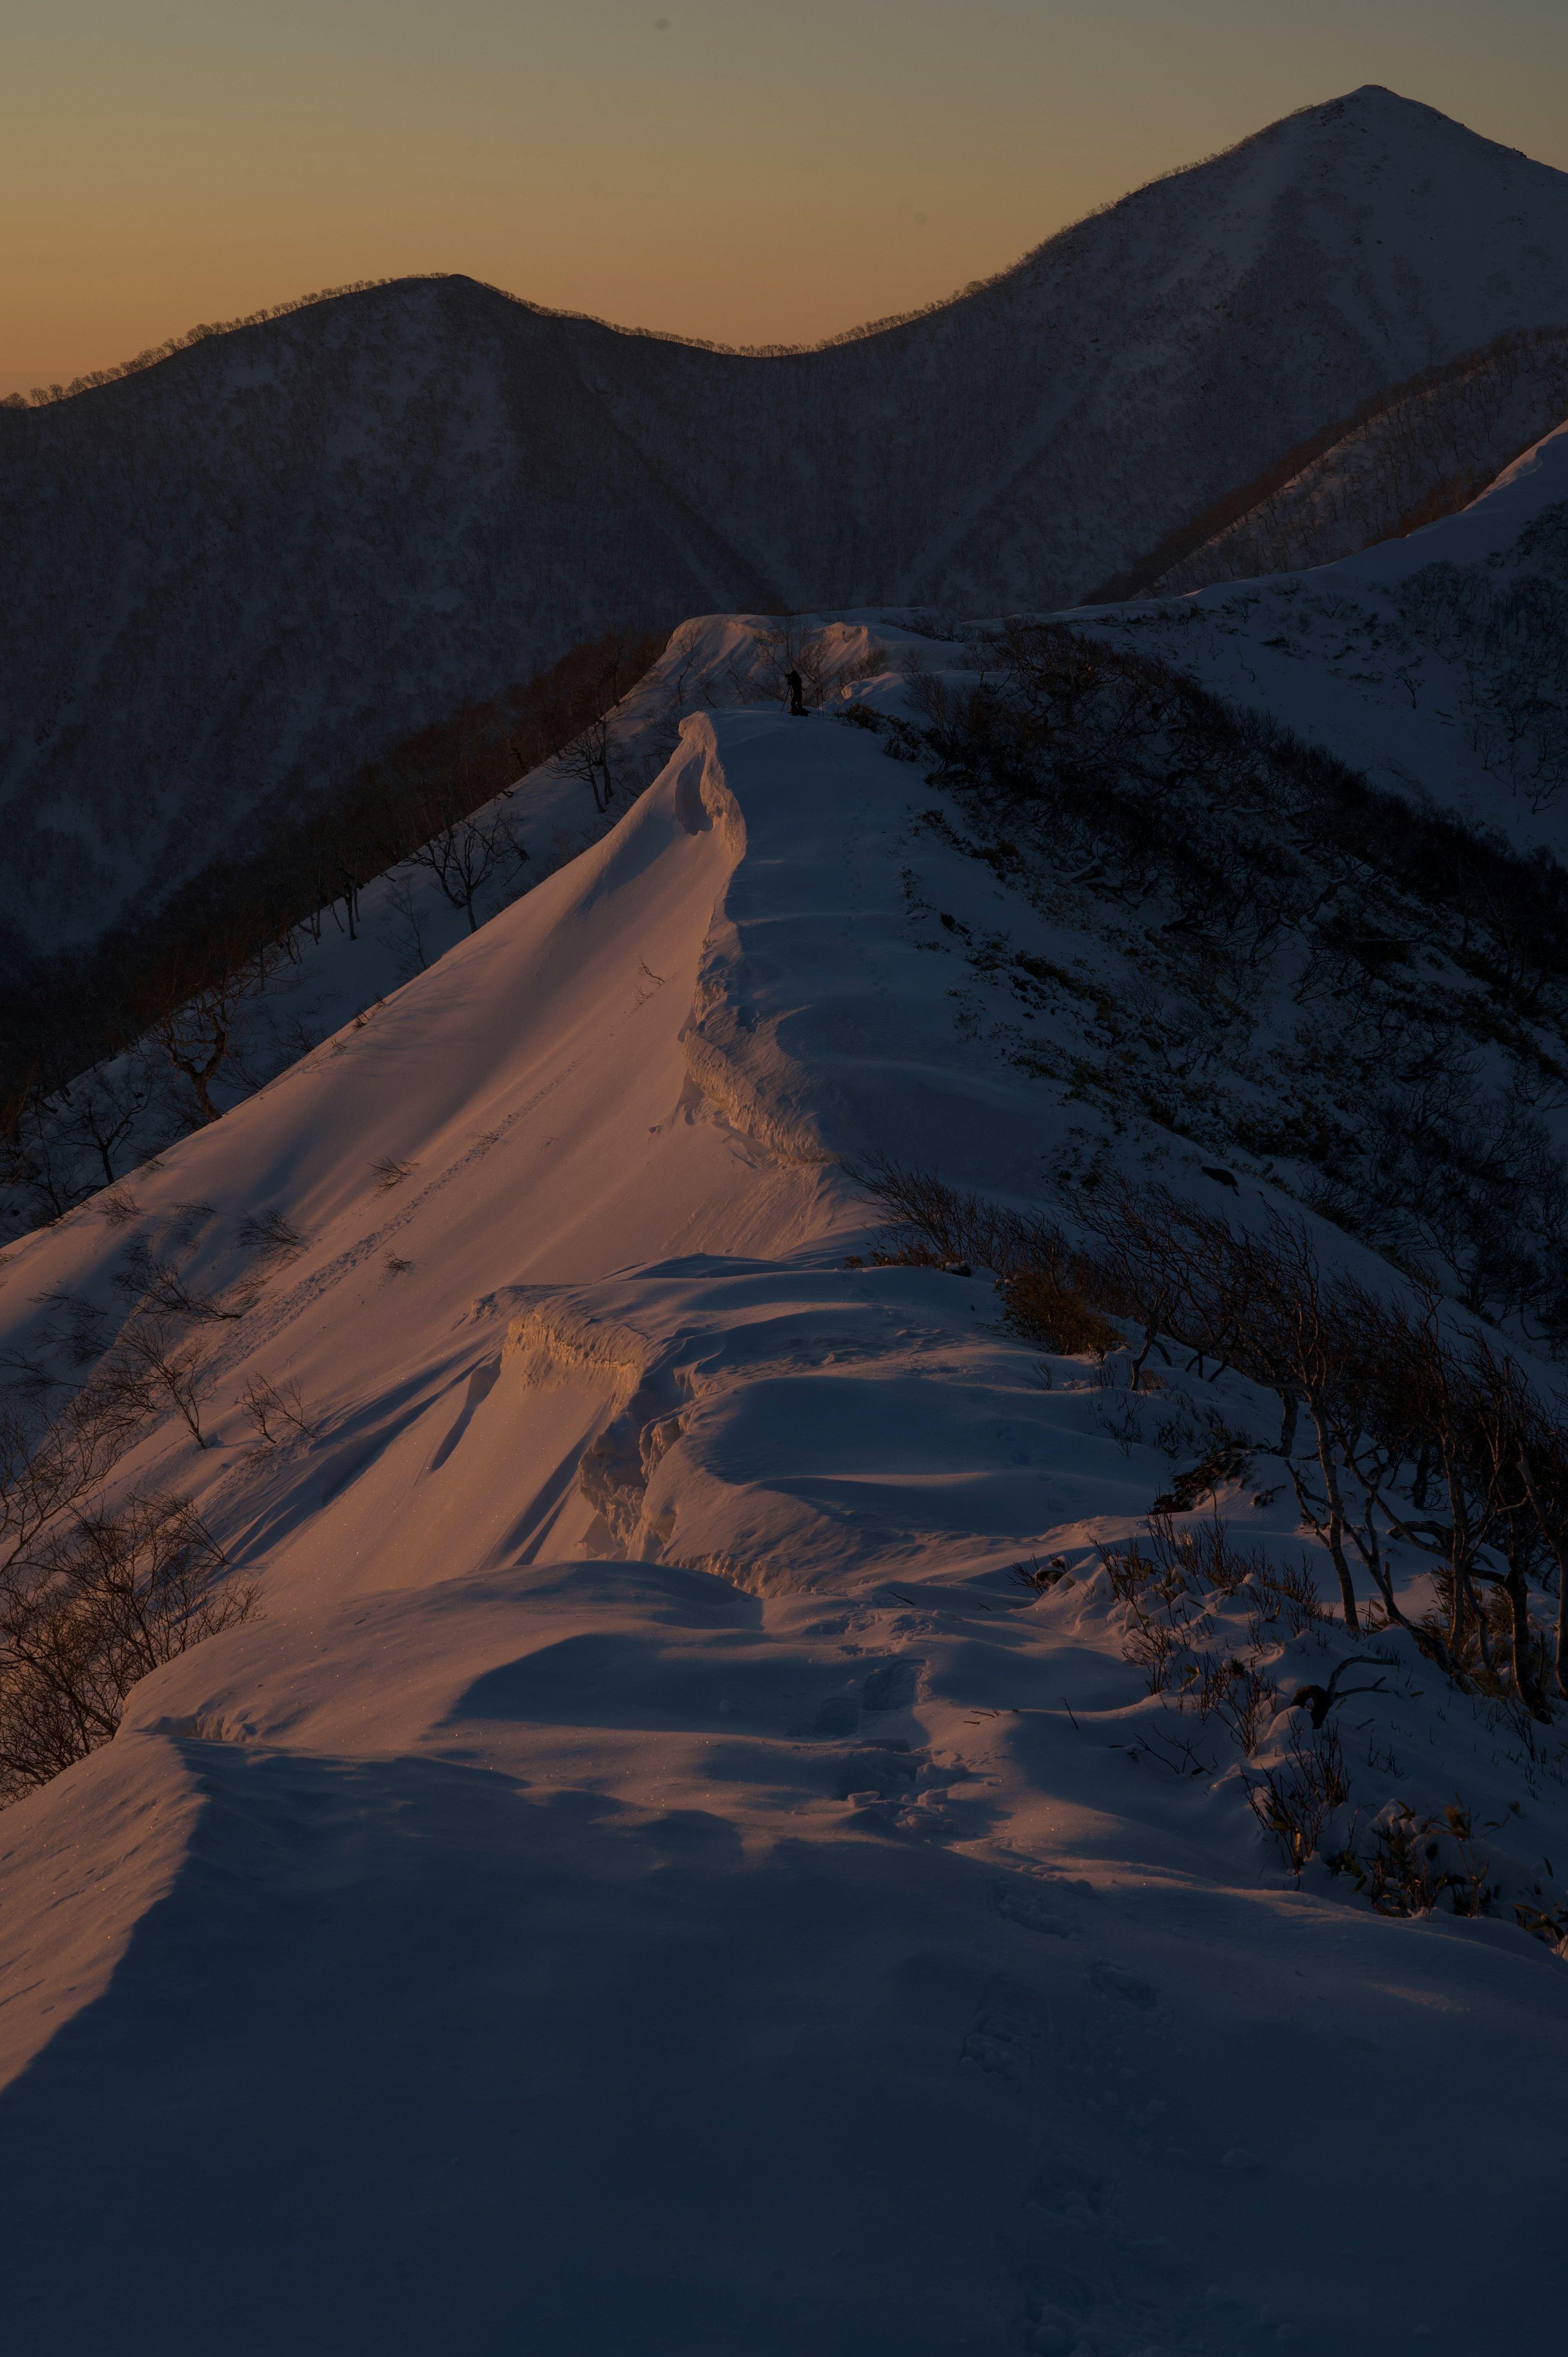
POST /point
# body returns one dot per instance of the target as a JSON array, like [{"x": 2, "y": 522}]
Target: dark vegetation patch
[
  {"x": 1367, "y": 996},
  {"x": 1402, "y": 1426},
  {"x": 101, "y": 1584},
  {"x": 179, "y": 978},
  {"x": 1398, "y": 1423}
]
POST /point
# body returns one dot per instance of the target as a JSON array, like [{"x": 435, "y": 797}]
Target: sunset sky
[{"x": 724, "y": 169}]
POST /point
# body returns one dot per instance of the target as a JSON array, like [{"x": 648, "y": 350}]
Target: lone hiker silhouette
[{"x": 792, "y": 682}]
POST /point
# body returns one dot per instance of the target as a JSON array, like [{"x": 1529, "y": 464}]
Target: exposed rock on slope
[{"x": 242, "y": 570}]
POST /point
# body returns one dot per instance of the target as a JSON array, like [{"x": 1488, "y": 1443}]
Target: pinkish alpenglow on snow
[{"x": 803, "y": 1592}]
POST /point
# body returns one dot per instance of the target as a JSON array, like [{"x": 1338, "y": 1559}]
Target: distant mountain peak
[{"x": 248, "y": 569}]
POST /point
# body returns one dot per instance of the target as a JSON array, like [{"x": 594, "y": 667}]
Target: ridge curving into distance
[
  {"x": 244, "y": 572},
  {"x": 691, "y": 1763}
]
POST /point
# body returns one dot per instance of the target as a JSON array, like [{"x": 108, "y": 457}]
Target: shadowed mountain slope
[
  {"x": 238, "y": 574},
  {"x": 1417, "y": 453}
]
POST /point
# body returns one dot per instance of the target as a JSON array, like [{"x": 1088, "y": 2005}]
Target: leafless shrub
[
  {"x": 92, "y": 1596},
  {"x": 159, "y": 1289},
  {"x": 1289, "y": 1593},
  {"x": 117, "y": 1207},
  {"x": 1240, "y": 1693},
  {"x": 74, "y": 1331},
  {"x": 394, "y": 1266},
  {"x": 389, "y": 1173},
  {"x": 1166, "y": 1615},
  {"x": 276, "y": 1410},
  {"x": 268, "y": 1233},
  {"x": 1202, "y": 1558},
  {"x": 105, "y": 1598},
  {"x": 1396, "y": 1400},
  {"x": 1548, "y": 1924},
  {"x": 1226, "y": 1461},
  {"x": 929, "y": 1217},
  {"x": 1040, "y": 1577},
  {"x": 1122, "y": 1423},
  {"x": 1294, "y": 1801},
  {"x": 1410, "y": 1862},
  {"x": 152, "y": 1361},
  {"x": 1040, "y": 1308},
  {"x": 49, "y": 1473},
  {"x": 1156, "y": 1644}
]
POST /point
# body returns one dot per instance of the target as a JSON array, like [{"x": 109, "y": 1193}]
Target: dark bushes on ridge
[
  {"x": 1417, "y": 1429},
  {"x": 1365, "y": 991}
]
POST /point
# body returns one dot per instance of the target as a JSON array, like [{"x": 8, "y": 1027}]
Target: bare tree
[
  {"x": 587, "y": 757},
  {"x": 40, "y": 1158},
  {"x": 152, "y": 1360},
  {"x": 590, "y": 753},
  {"x": 159, "y": 1289},
  {"x": 276, "y": 1410},
  {"x": 111, "y": 1107},
  {"x": 202, "y": 1038},
  {"x": 106, "y": 1598},
  {"x": 58, "y": 1150},
  {"x": 401, "y": 927},
  {"x": 466, "y": 850}
]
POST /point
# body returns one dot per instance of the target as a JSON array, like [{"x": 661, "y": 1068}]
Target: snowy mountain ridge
[
  {"x": 354, "y": 520},
  {"x": 1465, "y": 708},
  {"x": 692, "y": 1852},
  {"x": 1420, "y": 452}
]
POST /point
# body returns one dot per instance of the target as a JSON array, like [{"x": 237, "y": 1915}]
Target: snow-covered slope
[
  {"x": 1437, "y": 663},
  {"x": 325, "y": 971},
  {"x": 655, "y": 1877},
  {"x": 232, "y": 577},
  {"x": 1423, "y": 453}
]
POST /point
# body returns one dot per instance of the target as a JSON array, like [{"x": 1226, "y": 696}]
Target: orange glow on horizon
[{"x": 717, "y": 171}]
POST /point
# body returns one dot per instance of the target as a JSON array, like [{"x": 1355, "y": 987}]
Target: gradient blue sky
[{"x": 719, "y": 168}]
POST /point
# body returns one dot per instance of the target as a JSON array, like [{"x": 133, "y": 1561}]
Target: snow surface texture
[
  {"x": 655, "y": 1879},
  {"x": 241, "y": 574}
]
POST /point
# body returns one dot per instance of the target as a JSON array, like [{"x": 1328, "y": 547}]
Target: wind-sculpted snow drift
[{"x": 656, "y": 1877}]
